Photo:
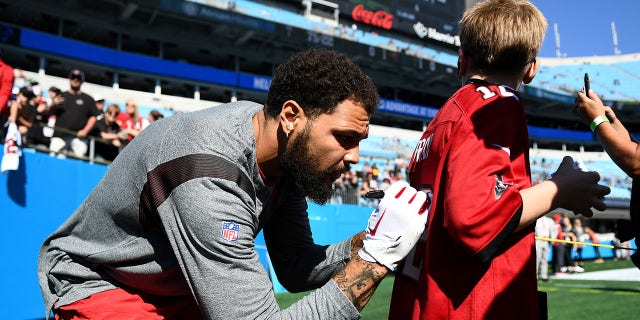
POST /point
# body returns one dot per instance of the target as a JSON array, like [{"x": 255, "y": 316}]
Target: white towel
[{"x": 12, "y": 151}]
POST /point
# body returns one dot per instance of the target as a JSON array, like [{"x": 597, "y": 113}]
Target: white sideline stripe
[{"x": 628, "y": 274}]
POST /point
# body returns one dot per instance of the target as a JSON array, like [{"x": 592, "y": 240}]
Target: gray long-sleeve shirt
[{"x": 177, "y": 213}]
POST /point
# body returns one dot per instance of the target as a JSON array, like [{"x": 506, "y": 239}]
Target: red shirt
[
  {"x": 6, "y": 85},
  {"x": 474, "y": 158},
  {"x": 125, "y": 121}
]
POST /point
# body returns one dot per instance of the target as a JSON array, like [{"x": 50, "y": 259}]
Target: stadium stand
[
  {"x": 616, "y": 78},
  {"x": 117, "y": 69}
]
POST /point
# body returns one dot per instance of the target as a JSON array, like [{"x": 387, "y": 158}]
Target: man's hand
[
  {"x": 579, "y": 191},
  {"x": 395, "y": 226}
]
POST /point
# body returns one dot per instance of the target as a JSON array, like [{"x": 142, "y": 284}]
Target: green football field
[{"x": 567, "y": 299}]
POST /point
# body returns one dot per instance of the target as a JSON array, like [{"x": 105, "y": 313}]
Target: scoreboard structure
[{"x": 435, "y": 21}]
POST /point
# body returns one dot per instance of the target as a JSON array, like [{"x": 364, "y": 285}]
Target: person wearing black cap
[
  {"x": 75, "y": 113},
  {"x": 23, "y": 110}
]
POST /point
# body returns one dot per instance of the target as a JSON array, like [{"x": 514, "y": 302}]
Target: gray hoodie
[{"x": 176, "y": 214}]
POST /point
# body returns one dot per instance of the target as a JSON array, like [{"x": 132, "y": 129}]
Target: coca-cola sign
[{"x": 378, "y": 18}]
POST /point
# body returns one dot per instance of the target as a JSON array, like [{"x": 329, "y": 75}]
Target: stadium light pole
[
  {"x": 557, "y": 37},
  {"x": 614, "y": 34}
]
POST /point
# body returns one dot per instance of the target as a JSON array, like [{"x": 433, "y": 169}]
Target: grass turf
[{"x": 567, "y": 299}]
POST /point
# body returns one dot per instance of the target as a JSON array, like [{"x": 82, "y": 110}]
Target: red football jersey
[{"x": 473, "y": 159}]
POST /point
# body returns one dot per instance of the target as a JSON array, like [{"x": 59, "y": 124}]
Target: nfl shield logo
[{"x": 230, "y": 230}]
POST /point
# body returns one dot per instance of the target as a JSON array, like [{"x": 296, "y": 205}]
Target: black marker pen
[{"x": 375, "y": 194}]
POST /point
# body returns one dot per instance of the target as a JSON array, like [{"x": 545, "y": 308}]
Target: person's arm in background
[
  {"x": 6, "y": 85},
  {"x": 87, "y": 128},
  {"x": 613, "y": 136},
  {"x": 13, "y": 111}
]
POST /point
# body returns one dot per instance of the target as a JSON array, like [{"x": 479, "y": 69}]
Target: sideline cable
[{"x": 585, "y": 243}]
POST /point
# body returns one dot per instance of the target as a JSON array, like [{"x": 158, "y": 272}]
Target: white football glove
[{"x": 395, "y": 226}]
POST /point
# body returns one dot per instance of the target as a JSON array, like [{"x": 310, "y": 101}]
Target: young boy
[{"x": 477, "y": 256}]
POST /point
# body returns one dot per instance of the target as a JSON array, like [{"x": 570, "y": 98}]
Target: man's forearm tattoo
[
  {"x": 360, "y": 284},
  {"x": 356, "y": 243}
]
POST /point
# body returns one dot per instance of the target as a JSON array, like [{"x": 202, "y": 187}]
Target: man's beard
[{"x": 300, "y": 163}]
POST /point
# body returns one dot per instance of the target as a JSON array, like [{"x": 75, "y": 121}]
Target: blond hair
[
  {"x": 135, "y": 113},
  {"x": 113, "y": 108},
  {"x": 502, "y": 35}
]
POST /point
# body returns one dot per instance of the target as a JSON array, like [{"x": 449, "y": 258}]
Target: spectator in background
[
  {"x": 19, "y": 81},
  {"x": 154, "y": 116},
  {"x": 366, "y": 168},
  {"x": 388, "y": 169},
  {"x": 52, "y": 92},
  {"x": 623, "y": 150},
  {"x": 595, "y": 240},
  {"x": 130, "y": 121},
  {"x": 371, "y": 181},
  {"x": 48, "y": 117},
  {"x": 581, "y": 236},
  {"x": 6, "y": 87},
  {"x": 35, "y": 135},
  {"x": 375, "y": 172},
  {"x": 338, "y": 191},
  {"x": 558, "y": 247},
  {"x": 386, "y": 182},
  {"x": 109, "y": 131},
  {"x": 569, "y": 235},
  {"x": 545, "y": 228},
  {"x": 23, "y": 111},
  {"x": 346, "y": 188},
  {"x": 351, "y": 182},
  {"x": 364, "y": 188},
  {"x": 100, "y": 104},
  {"x": 75, "y": 113},
  {"x": 621, "y": 254},
  {"x": 401, "y": 165},
  {"x": 34, "y": 85}
]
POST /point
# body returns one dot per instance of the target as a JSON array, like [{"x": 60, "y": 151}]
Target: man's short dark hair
[
  {"x": 318, "y": 80},
  {"x": 55, "y": 90}
]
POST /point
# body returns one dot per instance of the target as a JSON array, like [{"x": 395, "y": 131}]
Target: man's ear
[
  {"x": 290, "y": 115},
  {"x": 531, "y": 72}
]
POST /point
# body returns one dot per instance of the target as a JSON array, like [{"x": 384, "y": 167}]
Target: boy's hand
[{"x": 579, "y": 191}]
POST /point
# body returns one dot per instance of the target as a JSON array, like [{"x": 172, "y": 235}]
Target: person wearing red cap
[{"x": 558, "y": 249}]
